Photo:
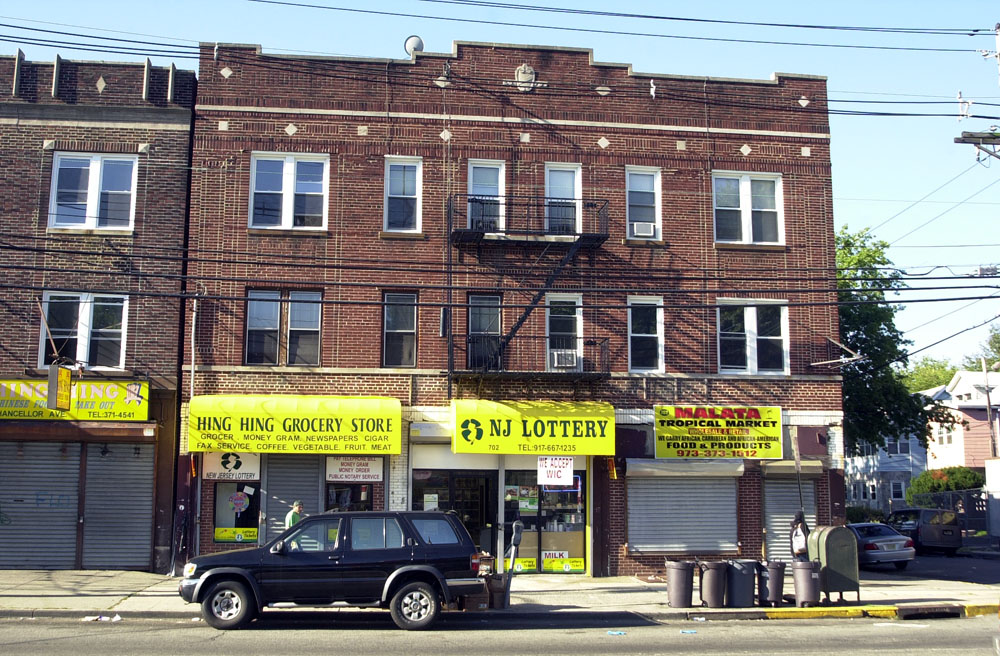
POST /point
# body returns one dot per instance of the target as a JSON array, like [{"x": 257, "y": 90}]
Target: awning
[
  {"x": 786, "y": 468},
  {"x": 648, "y": 468},
  {"x": 585, "y": 428},
  {"x": 349, "y": 425}
]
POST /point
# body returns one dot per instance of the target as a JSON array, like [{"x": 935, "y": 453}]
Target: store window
[
  {"x": 554, "y": 518},
  {"x": 237, "y": 512},
  {"x": 470, "y": 493},
  {"x": 349, "y": 496}
]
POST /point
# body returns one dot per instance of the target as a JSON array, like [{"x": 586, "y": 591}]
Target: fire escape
[{"x": 545, "y": 230}]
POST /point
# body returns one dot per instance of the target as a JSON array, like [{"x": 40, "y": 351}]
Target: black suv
[{"x": 408, "y": 562}]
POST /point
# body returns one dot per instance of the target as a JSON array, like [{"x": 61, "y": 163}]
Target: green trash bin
[{"x": 836, "y": 549}]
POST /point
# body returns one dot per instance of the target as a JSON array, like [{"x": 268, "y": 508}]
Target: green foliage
[
  {"x": 927, "y": 373},
  {"x": 989, "y": 350},
  {"x": 944, "y": 480},
  {"x": 856, "y": 514},
  {"x": 877, "y": 402}
]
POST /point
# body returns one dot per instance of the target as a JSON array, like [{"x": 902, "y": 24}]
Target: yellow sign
[
  {"x": 352, "y": 425},
  {"x": 563, "y": 565},
  {"x": 235, "y": 535},
  {"x": 533, "y": 427},
  {"x": 117, "y": 400},
  {"x": 700, "y": 431},
  {"x": 523, "y": 565},
  {"x": 60, "y": 388}
]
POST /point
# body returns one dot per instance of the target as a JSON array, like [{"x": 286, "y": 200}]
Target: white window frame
[
  {"x": 501, "y": 197},
  {"x": 750, "y": 323},
  {"x": 658, "y": 302},
  {"x": 892, "y": 490},
  {"x": 746, "y": 206},
  {"x": 397, "y": 160},
  {"x": 578, "y": 300},
  {"x": 84, "y": 327},
  {"x": 658, "y": 201},
  {"x": 577, "y": 191},
  {"x": 288, "y": 169},
  {"x": 96, "y": 170},
  {"x": 303, "y": 297},
  {"x": 386, "y": 331}
]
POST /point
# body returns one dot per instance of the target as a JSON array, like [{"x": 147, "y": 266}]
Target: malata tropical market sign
[
  {"x": 533, "y": 427},
  {"x": 351, "y": 425},
  {"x": 706, "y": 431},
  {"x": 117, "y": 400}
]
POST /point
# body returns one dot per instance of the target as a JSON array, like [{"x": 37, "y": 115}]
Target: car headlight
[{"x": 189, "y": 570}]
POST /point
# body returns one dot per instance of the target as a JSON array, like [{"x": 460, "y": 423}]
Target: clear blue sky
[{"x": 882, "y": 166}]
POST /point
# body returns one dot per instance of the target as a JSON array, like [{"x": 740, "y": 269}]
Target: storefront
[
  {"x": 262, "y": 453},
  {"x": 77, "y": 486},
  {"x": 498, "y": 462}
]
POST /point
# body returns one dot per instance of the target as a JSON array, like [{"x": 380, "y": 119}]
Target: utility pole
[{"x": 989, "y": 409}]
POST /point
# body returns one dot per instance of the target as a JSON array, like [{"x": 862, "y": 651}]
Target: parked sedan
[{"x": 880, "y": 544}]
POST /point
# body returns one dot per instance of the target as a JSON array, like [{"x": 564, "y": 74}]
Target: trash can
[
  {"x": 805, "y": 576},
  {"x": 712, "y": 584},
  {"x": 770, "y": 582},
  {"x": 680, "y": 578},
  {"x": 740, "y": 575}
]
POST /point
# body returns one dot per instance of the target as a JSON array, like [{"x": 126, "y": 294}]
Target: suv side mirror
[
  {"x": 517, "y": 529},
  {"x": 278, "y": 547}
]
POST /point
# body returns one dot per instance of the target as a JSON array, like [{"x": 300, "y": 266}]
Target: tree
[
  {"x": 944, "y": 480},
  {"x": 989, "y": 350},
  {"x": 877, "y": 402},
  {"x": 927, "y": 373}
]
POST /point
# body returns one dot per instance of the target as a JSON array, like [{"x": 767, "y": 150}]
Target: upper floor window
[
  {"x": 563, "y": 198},
  {"x": 898, "y": 490},
  {"x": 86, "y": 328},
  {"x": 296, "y": 314},
  {"x": 399, "y": 333},
  {"x": 897, "y": 446},
  {"x": 93, "y": 191},
  {"x": 645, "y": 334},
  {"x": 486, "y": 195},
  {"x": 484, "y": 332},
  {"x": 748, "y": 208},
  {"x": 643, "y": 189},
  {"x": 564, "y": 327},
  {"x": 289, "y": 191},
  {"x": 403, "y": 189},
  {"x": 753, "y": 339}
]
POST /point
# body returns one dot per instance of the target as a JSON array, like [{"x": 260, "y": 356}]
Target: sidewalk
[{"x": 134, "y": 595}]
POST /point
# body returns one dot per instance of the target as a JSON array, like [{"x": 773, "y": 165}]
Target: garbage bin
[
  {"x": 680, "y": 578},
  {"x": 805, "y": 576},
  {"x": 740, "y": 576},
  {"x": 712, "y": 584},
  {"x": 770, "y": 582}
]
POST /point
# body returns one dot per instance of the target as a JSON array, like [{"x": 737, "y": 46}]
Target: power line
[{"x": 935, "y": 218}]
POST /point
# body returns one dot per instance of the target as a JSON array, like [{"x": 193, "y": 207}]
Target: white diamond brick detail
[
  {"x": 746, "y": 150},
  {"x": 226, "y": 72},
  {"x": 290, "y": 129},
  {"x": 101, "y": 84},
  {"x": 603, "y": 142},
  {"x": 445, "y": 135}
]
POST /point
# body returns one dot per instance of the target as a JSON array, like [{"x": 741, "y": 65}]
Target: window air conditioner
[
  {"x": 643, "y": 229},
  {"x": 563, "y": 359}
]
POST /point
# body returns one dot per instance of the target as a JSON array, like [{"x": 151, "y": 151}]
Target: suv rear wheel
[
  {"x": 415, "y": 606},
  {"x": 228, "y": 605}
]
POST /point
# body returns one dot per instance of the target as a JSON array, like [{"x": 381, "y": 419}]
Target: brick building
[
  {"x": 417, "y": 277},
  {"x": 92, "y": 212}
]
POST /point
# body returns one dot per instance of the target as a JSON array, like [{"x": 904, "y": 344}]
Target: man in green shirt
[{"x": 294, "y": 515}]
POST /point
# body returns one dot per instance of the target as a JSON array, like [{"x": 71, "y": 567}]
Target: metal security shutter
[
  {"x": 781, "y": 502},
  {"x": 289, "y": 478},
  {"x": 38, "y": 505},
  {"x": 679, "y": 514},
  {"x": 118, "y": 507}
]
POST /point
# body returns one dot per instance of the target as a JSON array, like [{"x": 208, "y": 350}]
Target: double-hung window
[
  {"x": 898, "y": 490},
  {"x": 748, "y": 208},
  {"x": 645, "y": 334},
  {"x": 403, "y": 189},
  {"x": 753, "y": 339},
  {"x": 93, "y": 191},
  {"x": 484, "y": 332},
  {"x": 563, "y": 198},
  {"x": 88, "y": 329},
  {"x": 289, "y": 191},
  {"x": 564, "y": 325},
  {"x": 399, "y": 335},
  {"x": 296, "y": 314},
  {"x": 643, "y": 191},
  {"x": 486, "y": 195}
]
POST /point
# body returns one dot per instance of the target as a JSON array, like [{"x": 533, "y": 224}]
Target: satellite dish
[{"x": 413, "y": 44}]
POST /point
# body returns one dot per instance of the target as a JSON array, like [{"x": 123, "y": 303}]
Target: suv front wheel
[
  {"x": 415, "y": 606},
  {"x": 228, "y": 605}
]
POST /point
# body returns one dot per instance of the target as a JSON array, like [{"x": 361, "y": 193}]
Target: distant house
[
  {"x": 967, "y": 444},
  {"x": 879, "y": 477}
]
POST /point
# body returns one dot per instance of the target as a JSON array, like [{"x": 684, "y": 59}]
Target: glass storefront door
[
  {"x": 470, "y": 493},
  {"x": 555, "y": 520}
]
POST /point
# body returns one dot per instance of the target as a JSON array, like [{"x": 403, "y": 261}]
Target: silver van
[{"x": 929, "y": 528}]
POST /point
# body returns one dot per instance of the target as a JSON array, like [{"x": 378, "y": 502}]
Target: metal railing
[
  {"x": 471, "y": 216},
  {"x": 527, "y": 354}
]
